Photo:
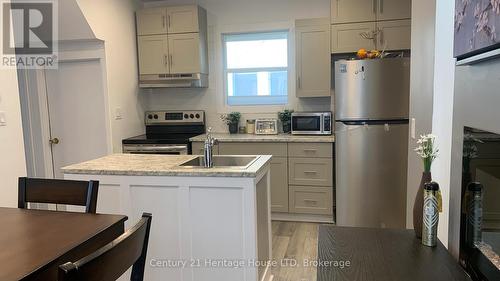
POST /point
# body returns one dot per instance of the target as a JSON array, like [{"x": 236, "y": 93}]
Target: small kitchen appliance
[
  {"x": 268, "y": 126},
  {"x": 167, "y": 132},
  {"x": 311, "y": 123}
]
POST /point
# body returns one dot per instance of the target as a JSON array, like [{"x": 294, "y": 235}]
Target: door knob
[{"x": 54, "y": 141}]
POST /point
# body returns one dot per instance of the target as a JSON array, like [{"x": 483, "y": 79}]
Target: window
[{"x": 256, "y": 68}]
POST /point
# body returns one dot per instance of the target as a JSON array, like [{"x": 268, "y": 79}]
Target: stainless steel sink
[{"x": 233, "y": 162}]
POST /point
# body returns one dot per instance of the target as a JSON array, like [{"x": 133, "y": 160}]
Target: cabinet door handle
[
  {"x": 374, "y": 6},
  {"x": 299, "y": 82},
  {"x": 381, "y": 6},
  {"x": 312, "y": 202},
  {"x": 163, "y": 21},
  {"x": 171, "y": 60},
  {"x": 310, "y": 150},
  {"x": 310, "y": 172},
  {"x": 381, "y": 39},
  {"x": 165, "y": 60},
  {"x": 169, "y": 21}
]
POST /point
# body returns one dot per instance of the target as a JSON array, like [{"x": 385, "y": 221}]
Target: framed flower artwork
[{"x": 477, "y": 27}]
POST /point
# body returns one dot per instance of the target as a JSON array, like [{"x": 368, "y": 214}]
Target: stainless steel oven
[
  {"x": 167, "y": 132},
  {"x": 172, "y": 149},
  {"x": 312, "y": 123}
]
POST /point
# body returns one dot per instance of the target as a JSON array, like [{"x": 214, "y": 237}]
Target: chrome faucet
[{"x": 208, "y": 147}]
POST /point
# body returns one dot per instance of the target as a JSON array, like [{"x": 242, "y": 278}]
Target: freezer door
[
  {"x": 371, "y": 165},
  {"x": 372, "y": 89}
]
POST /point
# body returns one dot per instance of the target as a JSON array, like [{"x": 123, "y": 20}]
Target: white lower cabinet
[
  {"x": 195, "y": 219},
  {"x": 311, "y": 200},
  {"x": 310, "y": 171},
  {"x": 198, "y": 148},
  {"x": 279, "y": 185},
  {"x": 302, "y": 175},
  {"x": 279, "y": 167}
]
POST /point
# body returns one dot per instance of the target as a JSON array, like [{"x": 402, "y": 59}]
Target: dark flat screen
[{"x": 480, "y": 212}]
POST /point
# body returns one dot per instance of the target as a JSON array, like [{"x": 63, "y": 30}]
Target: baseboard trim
[{"x": 302, "y": 218}]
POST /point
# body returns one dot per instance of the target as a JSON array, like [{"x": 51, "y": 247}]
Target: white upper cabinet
[
  {"x": 184, "y": 50},
  {"x": 172, "y": 19},
  {"x": 172, "y": 40},
  {"x": 347, "y": 11},
  {"x": 393, "y": 9},
  {"x": 151, "y": 21},
  {"x": 183, "y": 19},
  {"x": 394, "y": 35},
  {"x": 347, "y": 38},
  {"x": 153, "y": 54},
  {"x": 370, "y": 24},
  {"x": 352, "y": 11},
  {"x": 313, "y": 66}
]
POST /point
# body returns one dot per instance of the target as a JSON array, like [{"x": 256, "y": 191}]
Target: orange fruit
[{"x": 362, "y": 54}]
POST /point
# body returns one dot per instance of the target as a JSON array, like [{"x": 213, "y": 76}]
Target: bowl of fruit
[{"x": 364, "y": 54}]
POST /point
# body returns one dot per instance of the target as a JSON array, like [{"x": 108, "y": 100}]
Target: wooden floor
[{"x": 294, "y": 241}]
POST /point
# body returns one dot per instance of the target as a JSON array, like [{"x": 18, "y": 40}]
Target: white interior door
[{"x": 77, "y": 113}]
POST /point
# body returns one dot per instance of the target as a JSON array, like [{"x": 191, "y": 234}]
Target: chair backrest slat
[
  {"x": 112, "y": 260},
  {"x": 54, "y": 191}
]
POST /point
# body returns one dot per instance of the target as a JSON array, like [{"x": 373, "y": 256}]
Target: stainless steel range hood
[{"x": 196, "y": 80}]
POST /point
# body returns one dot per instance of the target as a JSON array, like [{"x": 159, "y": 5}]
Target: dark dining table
[
  {"x": 33, "y": 243},
  {"x": 375, "y": 254}
]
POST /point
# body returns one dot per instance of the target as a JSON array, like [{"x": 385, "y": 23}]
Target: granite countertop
[
  {"x": 265, "y": 138},
  {"x": 159, "y": 165}
]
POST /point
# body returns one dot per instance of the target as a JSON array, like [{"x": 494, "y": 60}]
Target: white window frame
[{"x": 272, "y": 34}]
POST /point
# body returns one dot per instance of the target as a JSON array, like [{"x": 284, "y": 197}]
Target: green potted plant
[
  {"x": 232, "y": 120},
  {"x": 285, "y": 117}
]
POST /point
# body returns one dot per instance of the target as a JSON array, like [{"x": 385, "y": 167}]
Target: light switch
[
  {"x": 3, "y": 120},
  {"x": 118, "y": 113},
  {"x": 413, "y": 129}
]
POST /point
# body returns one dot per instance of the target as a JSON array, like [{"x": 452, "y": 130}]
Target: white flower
[{"x": 426, "y": 149}]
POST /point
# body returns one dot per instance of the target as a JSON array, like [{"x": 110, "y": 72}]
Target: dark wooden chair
[
  {"x": 52, "y": 191},
  {"x": 111, "y": 261}
]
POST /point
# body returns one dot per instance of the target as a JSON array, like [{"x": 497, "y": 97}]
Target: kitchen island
[{"x": 208, "y": 223}]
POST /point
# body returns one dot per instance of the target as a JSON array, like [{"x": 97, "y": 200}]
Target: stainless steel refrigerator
[{"x": 371, "y": 132}]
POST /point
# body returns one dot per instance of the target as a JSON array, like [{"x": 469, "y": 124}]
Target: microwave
[{"x": 312, "y": 123}]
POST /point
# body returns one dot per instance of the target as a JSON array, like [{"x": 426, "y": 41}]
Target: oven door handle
[
  {"x": 152, "y": 148},
  {"x": 163, "y": 148}
]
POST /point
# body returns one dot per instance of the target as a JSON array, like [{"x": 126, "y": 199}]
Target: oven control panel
[{"x": 174, "y": 117}]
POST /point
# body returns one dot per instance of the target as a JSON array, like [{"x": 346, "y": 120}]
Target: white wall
[
  {"x": 444, "y": 76},
  {"x": 113, "y": 21},
  {"x": 421, "y": 89},
  {"x": 72, "y": 23},
  {"x": 12, "y": 161},
  {"x": 240, "y": 16}
]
